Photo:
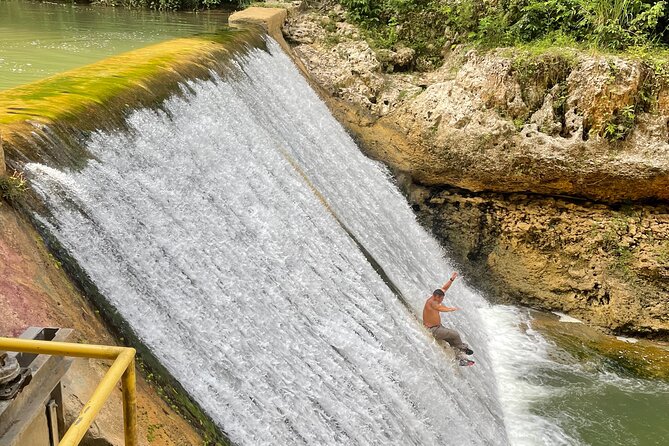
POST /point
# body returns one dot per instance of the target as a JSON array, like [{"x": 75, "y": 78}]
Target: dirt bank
[{"x": 34, "y": 291}]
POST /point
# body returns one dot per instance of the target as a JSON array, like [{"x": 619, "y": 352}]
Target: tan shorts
[{"x": 442, "y": 333}]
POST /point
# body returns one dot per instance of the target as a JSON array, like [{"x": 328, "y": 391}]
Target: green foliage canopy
[
  {"x": 429, "y": 25},
  {"x": 174, "y": 5}
]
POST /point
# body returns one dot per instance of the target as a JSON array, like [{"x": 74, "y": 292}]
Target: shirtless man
[{"x": 432, "y": 320}]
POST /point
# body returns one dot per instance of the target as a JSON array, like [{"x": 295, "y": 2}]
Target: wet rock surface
[{"x": 641, "y": 358}]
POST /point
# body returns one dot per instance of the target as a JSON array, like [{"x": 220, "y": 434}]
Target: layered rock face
[
  {"x": 608, "y": 266},
  {"x": 580, "y": 134}
]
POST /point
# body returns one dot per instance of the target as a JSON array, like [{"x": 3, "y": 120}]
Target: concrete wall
[{"x": 271, "y": 19}]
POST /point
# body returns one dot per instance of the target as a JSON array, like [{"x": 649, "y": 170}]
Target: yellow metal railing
[{"x": 123, "y": 368}]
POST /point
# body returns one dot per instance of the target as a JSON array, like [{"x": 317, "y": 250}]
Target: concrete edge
[
  {"x": 272, "y": 21},
  {"x": 269, "y": 19}
]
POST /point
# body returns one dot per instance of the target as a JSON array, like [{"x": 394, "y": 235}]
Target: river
[{"x": 42, "y": 39}]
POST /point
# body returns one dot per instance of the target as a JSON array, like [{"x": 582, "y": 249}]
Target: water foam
[{"x": 518, "y": 353}]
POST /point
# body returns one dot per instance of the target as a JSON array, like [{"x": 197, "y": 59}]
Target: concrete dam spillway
[{"x": 226, "y": 228}]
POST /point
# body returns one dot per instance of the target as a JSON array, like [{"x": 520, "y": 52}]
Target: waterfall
[{"x": 274, "y": 270}]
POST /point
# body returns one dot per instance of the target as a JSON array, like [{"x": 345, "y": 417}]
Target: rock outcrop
[
  {"x": 549, "y": 126},
  {"x": 607, "y": 266},
  {"x": 506, "y": 120},
  {"x": 541, "y": 148}
]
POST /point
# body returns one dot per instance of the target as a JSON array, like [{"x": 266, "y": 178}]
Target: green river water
[
  {"x": 601, "y": 390},
  {"x": 591, "y": 399},
  {"x": 38, "y": 40}
]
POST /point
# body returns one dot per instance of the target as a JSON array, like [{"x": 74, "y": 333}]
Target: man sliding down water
[{"x": 432, "y": 320}]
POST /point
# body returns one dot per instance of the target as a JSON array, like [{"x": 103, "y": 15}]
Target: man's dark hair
[{"x": 438, "y": 292}]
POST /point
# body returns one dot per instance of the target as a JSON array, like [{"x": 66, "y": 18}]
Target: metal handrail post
[
  {"x": 130, "y": 405},
  {"x": 78, "y": 429}
]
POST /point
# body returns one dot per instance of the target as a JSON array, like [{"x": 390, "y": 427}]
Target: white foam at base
[{"x": 517, "y": 351}]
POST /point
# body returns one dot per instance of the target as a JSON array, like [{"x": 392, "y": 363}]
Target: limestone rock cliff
[
  {"x": 555, "y": 123},
  {"x": 519, "y": 163}
]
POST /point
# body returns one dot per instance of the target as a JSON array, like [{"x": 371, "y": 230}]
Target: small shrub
[
  {"x": 619, "y": 24},
  {"x": 12, "y": 186},
  {"x": 493, "y": 30},
  {"x": 532, "y": 20},
  {"x": 620, "y": 125}
]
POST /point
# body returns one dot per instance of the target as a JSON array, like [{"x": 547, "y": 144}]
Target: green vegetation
[
  {"x": 432, "y": 26},
  {"x": 260, "y": 4},
  {"x": 12, "y": 186},
  {"x": 620, "y": 125},
  {"x": 621, "y": 254},
  {"x": 174, "y": 5},
  {"x": 151, "y": 432}
]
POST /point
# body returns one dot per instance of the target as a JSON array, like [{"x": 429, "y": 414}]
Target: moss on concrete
[{"x": 98, "y": 96}]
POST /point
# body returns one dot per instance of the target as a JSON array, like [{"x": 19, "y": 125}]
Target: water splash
[
  {"x": 550, "y": 396},
  {"x": 519, "y": 354}
]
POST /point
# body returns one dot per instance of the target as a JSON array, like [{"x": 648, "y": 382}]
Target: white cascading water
[{"x": 225, "y": 228}]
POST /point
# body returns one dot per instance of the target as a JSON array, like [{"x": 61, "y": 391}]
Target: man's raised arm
[{"x": 448, "y": 284}]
